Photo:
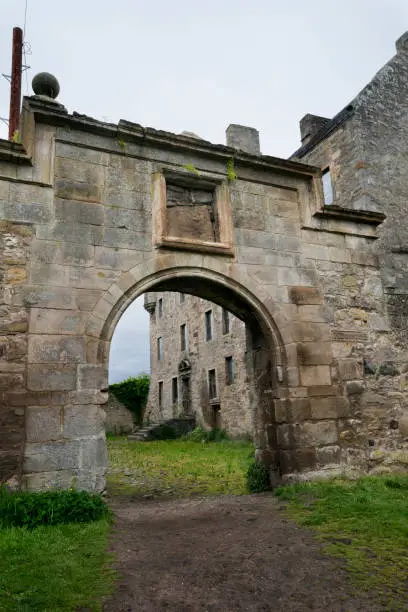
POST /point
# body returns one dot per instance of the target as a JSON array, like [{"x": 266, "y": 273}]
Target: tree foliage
[{"x": 133, "y": 393}]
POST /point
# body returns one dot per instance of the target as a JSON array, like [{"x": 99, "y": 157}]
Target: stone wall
[
  {"x": 305, "y": 278},
  {"x": 366, "y": 155},
  {"x": 233, "y": 400},
  {"x": 15, "y": 242},
  {"x": 118, "y": 418}
]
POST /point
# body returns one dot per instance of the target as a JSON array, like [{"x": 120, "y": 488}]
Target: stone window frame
[
  {"x": 229, "y": 370},
  {"x": 182, "y": 298},
  {"x": 222, "y": 212}
]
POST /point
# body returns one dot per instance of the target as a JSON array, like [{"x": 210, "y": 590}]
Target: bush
[
  {"x": 257, "y": 478},
  {"x": 133, "y": 393},
  {"x": 199, "y": 434},
  {"x": 21, "y": 509},
  {"x": 165, "y": 432}
]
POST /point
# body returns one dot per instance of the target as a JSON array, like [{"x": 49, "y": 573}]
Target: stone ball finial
[{"x": 45, "y": 84}]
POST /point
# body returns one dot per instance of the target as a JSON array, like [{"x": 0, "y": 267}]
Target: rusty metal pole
[{"x": 15, "y": 89}]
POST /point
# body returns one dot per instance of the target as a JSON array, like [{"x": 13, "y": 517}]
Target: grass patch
[
  {"x": 364, "y": 522},
  {"x": 53, "y": 568},
  {"x": 177, "y": 467},
  {"x": 26, "y": 509}
]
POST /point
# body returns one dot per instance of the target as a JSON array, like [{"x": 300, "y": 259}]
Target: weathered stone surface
[
  {"x": 350, "y": 369},
  {"x": 75, "y": 190},
  {"x": 55, "y": 349},
  {"x": 45, "y": 297},
  {"x": 315, "y": 375},
  {"x": 323, "y": 289},
  {"x": 43, "y": 377},
  {"x": 79, "y": 212},
  {"x": 118, "y": 419},
  {"x": 87, "y": 453},
  {"x": 314, "y": 353},
  {"x": 85, "y": 420},
  {"x": 44, "y": 423},
  {"x": 92, "y": 377},
  {"x": 329, "y": 408},
  {"x": 47, "y": 321},
  {"x": 309, "y": 434},
  {"x": 305, "y": 295}
]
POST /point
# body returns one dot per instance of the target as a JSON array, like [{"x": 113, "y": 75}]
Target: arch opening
[{"x": 264, "y": 350}]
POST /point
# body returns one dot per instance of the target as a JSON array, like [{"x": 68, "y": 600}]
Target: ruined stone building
[
  {"x": 310, "y": 253},
  {"x": 362, "y": 155},
  {"x": 197, "y": 363}
]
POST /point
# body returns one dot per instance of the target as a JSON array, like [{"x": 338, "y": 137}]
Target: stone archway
[
  {"x": 266, "y": 354},
  {"x": 95, "y": 215}
]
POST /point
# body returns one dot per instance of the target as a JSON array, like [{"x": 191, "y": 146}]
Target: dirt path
[{"x": 222, "y": 554}]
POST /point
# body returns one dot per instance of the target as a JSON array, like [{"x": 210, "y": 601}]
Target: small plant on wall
[{"x": 231, "y": 174}]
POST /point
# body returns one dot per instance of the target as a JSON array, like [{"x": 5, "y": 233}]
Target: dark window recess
[
  {"x": 160, "y": 394},
  {"x": 216, "y": 417},
  {"x": 160, "y": 308},
  {"x": 229, "y": 371},
  {"x": 208, "y": 325},
  {"x": 174, "y": 390},
  {"x": 327, "y": 187},
  {"x": 212, "y": 384},
  {"x": 183, "y": 337},
  {"x": 225, "y": 321},
  {"x": 159, "y": 349}
]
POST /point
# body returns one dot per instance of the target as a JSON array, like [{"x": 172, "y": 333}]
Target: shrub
[
  {"x": 257, "y": 477},
  {"x": 22, "y": 509},
  {"x": 199, "y": 434},
  {"x": 133, "y": 393},
  {"x": 165, "y": 432}
]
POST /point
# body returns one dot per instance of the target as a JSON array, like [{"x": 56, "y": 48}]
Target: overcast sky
[{"x": 199, "y": 66}]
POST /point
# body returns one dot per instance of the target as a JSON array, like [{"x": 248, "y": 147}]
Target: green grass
[
  {"x": 54, "y": 568},
  {"x": 364, "y": 522},
  {"x": 177, "y": 467}
]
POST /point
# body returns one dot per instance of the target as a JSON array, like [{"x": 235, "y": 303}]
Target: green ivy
[{"x": 133, "y": 393}]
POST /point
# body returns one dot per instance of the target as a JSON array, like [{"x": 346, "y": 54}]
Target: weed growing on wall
[{"x": 231, "y": 174}]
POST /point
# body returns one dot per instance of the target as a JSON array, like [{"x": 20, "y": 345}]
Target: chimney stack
[
  {"x": 244, "y": 138},
  {"x": 310, "y": 125}
]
